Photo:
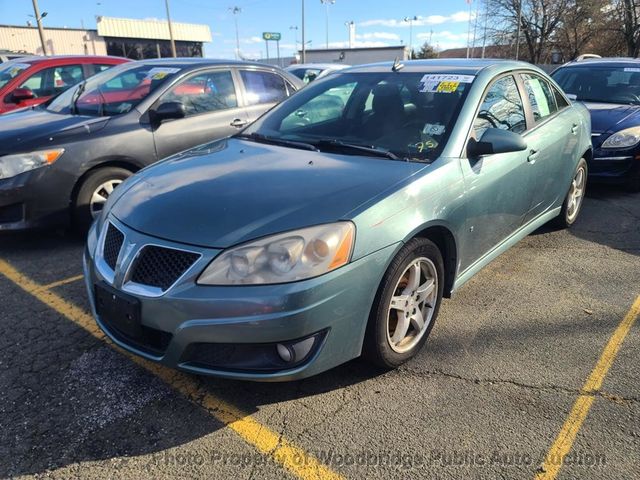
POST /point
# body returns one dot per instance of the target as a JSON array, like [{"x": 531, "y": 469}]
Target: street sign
[{"x": 274, "y": 36}]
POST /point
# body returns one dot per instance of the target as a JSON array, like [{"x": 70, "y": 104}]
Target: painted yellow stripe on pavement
[
  {"x": 564, "y": 441},
  {"x": 265, "y": 440},
  {"x": 62, "y": 282}
]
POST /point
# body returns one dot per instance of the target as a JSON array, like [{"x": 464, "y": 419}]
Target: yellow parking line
[
  {"x": 564, "y": 441},
  {"x": 265, "y": 440},
  {"x": 64, "y": 281}
]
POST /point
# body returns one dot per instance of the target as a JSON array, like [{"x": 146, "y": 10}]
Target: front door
[
  {"x": 212, "y": 112},
  {"x": 497, "y": 187}
]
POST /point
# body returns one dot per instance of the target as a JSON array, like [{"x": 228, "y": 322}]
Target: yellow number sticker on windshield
[{"x": 447, "y": 87}]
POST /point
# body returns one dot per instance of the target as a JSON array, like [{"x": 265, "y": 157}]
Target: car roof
[
  {"x": 201, "y": 62},
  {"x": 448, "y": 65},
  {"x": 35, "y": 59},
  {"x": 320, "y": 66},
  {"x": 601, "y": 62}
]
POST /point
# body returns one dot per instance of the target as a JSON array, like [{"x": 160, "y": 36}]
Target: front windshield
[
  {"x": 409, "y": 115},
  {"x": 606, "y": 84},
  {"x": 113, "y": 91},
  {"x": 10, "y": 70}
]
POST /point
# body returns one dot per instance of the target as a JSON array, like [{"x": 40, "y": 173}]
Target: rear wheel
[
  {"x": 575, "y": 196},
  {"x": 406, "y": 304},
  {"x": 93, "y": 195}
]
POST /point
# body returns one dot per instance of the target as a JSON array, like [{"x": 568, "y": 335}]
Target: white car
[{"x": 308, "y": 72}]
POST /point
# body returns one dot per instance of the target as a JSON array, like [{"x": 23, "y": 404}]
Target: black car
[
  {"x": 610, "y": 89},
  {"x": 59, "y": 162}
]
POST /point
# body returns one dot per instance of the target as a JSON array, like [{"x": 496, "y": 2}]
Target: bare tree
[
  {"x": 539, "y": 24},
  {"x": 579, "y": 28}
]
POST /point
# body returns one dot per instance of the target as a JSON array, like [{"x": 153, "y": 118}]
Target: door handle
[
  {"x": 238, "y": 123},
  {"x": 533, "y": 156},
  {"x": 574, "y": 129}
]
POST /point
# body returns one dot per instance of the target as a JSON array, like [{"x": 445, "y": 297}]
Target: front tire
[
  {"x": 575, "y": 196},
  {"x": 93, "y": 194},
  {"x": 406, "y": 305}
]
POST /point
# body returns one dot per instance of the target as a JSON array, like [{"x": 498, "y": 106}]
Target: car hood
[
  {"x": 233, "y": 191},
  {"x": 35, "y": 128},
  {"x": 607, "y": 117}
]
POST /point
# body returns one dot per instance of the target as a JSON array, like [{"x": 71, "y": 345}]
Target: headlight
[
  {"x": 12, "y": 165},
  {"x": 285, "y": 257},
  {"x": 623, "y": 139}
]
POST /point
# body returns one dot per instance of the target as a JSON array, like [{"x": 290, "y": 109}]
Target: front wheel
[
  {"x": 574, "y": 199},
  {"x": 406, "y": 305},
  {"x": 93, "y": 195}
]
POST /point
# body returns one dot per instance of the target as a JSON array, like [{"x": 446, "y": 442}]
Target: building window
[{"x": 140, "y": 48}]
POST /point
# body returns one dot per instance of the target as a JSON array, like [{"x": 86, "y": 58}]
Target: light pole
[
  {"x": 294, "y": 28},
  {"x": 518, "y": 34},
  {"x": 38, "y": 17},
  {"x": 326, "y": 3},
  {"x": 235, "y": 11},
  {"x": 173, "y": 43},
  {"x": 470, "y": 2},
  {"x": 350, "y": 28},
  {"x": 411, "y": 20},
  {"x": 303, "y": 55}
]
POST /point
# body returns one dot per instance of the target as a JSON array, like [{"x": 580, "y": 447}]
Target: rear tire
[
  {"x": 93, "y": 194},
  {"x": 406, "y": 305},
  {"x": 575, "y": 197}
]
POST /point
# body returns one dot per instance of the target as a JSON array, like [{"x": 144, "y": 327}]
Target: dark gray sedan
[{"x": 60, "y": 162}]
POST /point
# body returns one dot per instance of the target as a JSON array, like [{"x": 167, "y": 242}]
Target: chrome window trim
[{"x": 614, "y": 159}]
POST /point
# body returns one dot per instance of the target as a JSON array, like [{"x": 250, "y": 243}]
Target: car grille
[
  {"x": 161, "y": 267},
  {"x": 112, "y": 244}
]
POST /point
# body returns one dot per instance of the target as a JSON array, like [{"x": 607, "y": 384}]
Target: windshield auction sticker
[
  {"x": 443, "y": 83},
  {"x": 158, "y": 73}
]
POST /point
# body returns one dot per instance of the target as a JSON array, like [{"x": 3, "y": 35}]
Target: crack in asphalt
[{"x": 618, "y": 399}]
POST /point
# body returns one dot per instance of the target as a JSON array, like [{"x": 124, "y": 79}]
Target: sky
[{"x": 378, "y": 23}]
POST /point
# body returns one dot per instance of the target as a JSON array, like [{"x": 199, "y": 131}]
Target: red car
[{"x": 29, "y": 81}]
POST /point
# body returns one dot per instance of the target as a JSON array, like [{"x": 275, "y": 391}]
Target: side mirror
[
  {"x": 22, "y": 94},
  {"x": 168, "y": 110},
  {"x": 495, "y": 140}
]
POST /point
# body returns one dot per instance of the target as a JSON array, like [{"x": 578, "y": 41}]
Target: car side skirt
[{"x": 499, "y": 249}]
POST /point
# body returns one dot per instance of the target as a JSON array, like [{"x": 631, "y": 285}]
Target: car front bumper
[
  {"x": 34, "y": 199},
  {"x": 615, "y": 166},
  {"x": 249, "y": 320}
]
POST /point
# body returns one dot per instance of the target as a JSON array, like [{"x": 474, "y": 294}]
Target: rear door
[
  {"x": 553, "y": 142},
  {"x": 498, "y": 187},
  {"x": 212, "y": 105},
  {"x": 262, "y": 90}
]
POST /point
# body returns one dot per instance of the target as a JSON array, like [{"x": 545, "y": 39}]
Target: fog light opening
[{"x": 286, "y": 353}]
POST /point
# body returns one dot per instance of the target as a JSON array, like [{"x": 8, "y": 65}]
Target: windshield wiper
[
  {"x": 354, "y": 147},
  {"x": 261, "y": 138}
]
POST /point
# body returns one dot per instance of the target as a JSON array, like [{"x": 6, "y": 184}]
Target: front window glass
[
  {"x": 11, "y": 70},
  {"x": 501, "y": 108},
  {"x": 113, "y": 91},
  {"x": 205, "y": 92},
  {"x": 52, "y": 81},
  {"x": 410, "y": 115},
  {"x": 604, "y": 84}
]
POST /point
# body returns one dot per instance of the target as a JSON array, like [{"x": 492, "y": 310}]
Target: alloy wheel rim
[
  {"x": 100, "y": 196},
  {"x": 576, "y": 194},
  {"x": 412, "y": 305}
]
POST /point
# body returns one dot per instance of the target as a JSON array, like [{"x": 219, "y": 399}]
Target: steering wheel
[{"x": 485, "y": 115}]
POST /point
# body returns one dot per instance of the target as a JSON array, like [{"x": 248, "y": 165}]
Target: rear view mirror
[
  {"x": 495, "y": 140},
  {"x": 22, "y": 94},
  {"x": 169, "y": 110}
]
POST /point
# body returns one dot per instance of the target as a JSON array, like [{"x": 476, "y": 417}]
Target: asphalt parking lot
[{"x": 519, "y": 356}]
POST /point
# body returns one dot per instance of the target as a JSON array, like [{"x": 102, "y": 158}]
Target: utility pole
[
  {"x": 326, "y": 3},
  {"x": 470, "y": 2},
  {"x": 36, "y": 12},
  {"x": 486, "y": 20},
  {"x": 518, "y": 34},
  {"x": 303, "y": 56},
  {"x": 173, "y": 43},
  {"x": 410, "y": 20},
  {"x": 236, "y": 11},
  {"x": 475, "y": 30}
]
